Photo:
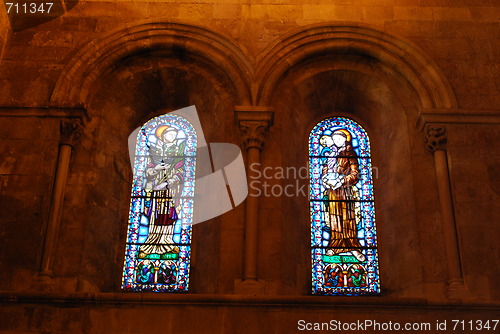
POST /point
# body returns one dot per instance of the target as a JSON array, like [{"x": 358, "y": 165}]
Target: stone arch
[
  {"x": 401, "y": 58},
  {"x": 100, "y": 55}
]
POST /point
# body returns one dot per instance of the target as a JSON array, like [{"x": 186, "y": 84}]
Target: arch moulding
[
  {"x": 101, "y": 54},
  {"x": 419, "y": 71}
]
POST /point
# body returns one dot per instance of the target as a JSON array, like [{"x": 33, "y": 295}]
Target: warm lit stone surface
[{"x": 452, "y": 40}]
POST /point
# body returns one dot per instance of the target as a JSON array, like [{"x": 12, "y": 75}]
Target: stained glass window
[
  {"x": 343, "y": 235},
  {"x": 158, "y": 247}
]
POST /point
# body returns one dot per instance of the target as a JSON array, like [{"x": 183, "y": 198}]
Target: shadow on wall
[{"x": 25, "y": 15}]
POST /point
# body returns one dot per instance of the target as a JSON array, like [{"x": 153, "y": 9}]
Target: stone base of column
[
  {"x": 457, "y": 290},
  {"x": 45, "y": 281},
  {"x": 254, "y": 287}
]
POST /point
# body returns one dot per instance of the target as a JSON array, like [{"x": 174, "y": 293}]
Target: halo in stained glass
[
  {"x": 157, "y": 256},
  {"x": 343, "y": 234}
]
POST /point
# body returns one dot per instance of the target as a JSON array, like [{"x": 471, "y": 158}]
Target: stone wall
[
  {"x": 459, "y": 35},
  {"x": 395, "y": 67}
]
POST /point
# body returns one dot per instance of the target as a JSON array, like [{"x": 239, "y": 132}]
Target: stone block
[
  {"x": 106, "y": 24},
  {"x": 28, "y": 129},
  {"x": 40, "y": 54},
  {"x": 137, "y": 9},
  {"x": 377, "y": 14},
  {"x": 14, "y": 319},
  {"x": 227, "y": 11},
  {"x": 94, "y": 9},
  {"x": 163, "y": 10},
  {"x": 251, "y": 320},
  {"x": 413, "y": 13},
  {"x": 47, "y": 38},
  {"x": 272, "y": 12},
  {"x": 456, "y": 3},
  {"x": 488, "y": 14},
  {"x": 318, "y": 12},
  {"x": 186, "y": 320},
  {"x": 451, "y": 14},
  {"x": 196, "y": 11},
  {"x": 84, "y": 24},
  {"x": 348, "y": 13}
]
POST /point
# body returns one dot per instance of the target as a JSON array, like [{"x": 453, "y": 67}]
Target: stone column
[
  {"x": 254, "y": 123},
  {"x": 70, "y": 131},
  {"x": 436, "y": 142}
]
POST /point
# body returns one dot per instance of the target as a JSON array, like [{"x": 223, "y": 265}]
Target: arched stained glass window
[
  {"x": 344, "y": 244},
  {"x": 158, "y": 247}
]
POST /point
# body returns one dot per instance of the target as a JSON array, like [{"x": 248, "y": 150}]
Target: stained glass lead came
[
  {"x": 158, "y": 252},
  {"x": 344, "y": 257}
]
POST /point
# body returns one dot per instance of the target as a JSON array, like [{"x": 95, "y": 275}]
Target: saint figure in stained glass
[
  {"x": 164, "y": 176},
  {"x": 343, "y": 235},
  {"x": 161, "y": 209},
  {"x": 340, "y": 173}
]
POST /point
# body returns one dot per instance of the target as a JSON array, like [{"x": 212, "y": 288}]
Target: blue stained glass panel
[
  {"x": 343, "y": 234},
  {"x": 157, "y": 255}
]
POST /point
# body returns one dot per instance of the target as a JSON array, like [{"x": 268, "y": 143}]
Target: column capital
[
  {"x": 254, "y": 123},
  {"x": 71, "y": 130},
  {"x": 435, "y": 137}
]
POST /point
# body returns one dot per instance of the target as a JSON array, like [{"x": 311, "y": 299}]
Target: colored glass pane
[
  {"x": 343, "y": 235},
  {"x": 157, "y": 256}
]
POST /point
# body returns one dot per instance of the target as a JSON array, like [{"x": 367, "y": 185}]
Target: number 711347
[
  {"x": 478, "y": 325},
  {"x": 28, "y": 7}
]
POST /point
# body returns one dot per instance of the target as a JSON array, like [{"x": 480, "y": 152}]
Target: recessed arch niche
[
  {"x": 359, "y": 73},
  {"x": 124, "y": 79}
]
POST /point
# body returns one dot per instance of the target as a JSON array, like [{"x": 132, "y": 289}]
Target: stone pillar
[
  {"x": 70, "y": 131},
  {"x": 436, "y": 142},
  {"x": 254, "y": 123}
]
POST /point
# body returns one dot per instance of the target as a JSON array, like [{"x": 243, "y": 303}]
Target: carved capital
[
  {"x": 253, "y": 133},
  {"x": 71, "y": 130},
  {"x": 435, "y": 137},
  {"x": 254, "y": 123}
]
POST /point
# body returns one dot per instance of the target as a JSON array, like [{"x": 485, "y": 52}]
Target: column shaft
[
  {"x": 54, "y": 222},
  {"x": 254, "y": 123},
  {"x": 251, "y": 221},
  {"x": 436, "y": 141},
  {"x": 70, "y": 131},
  {"x": 449, "y": 228}
]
